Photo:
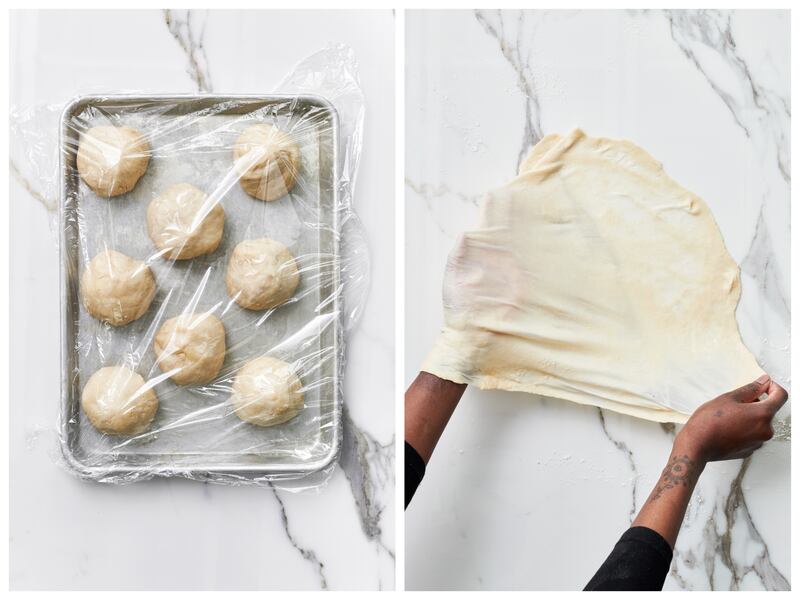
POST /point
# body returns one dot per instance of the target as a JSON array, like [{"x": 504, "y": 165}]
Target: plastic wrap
[{"x": 291, "y": 184}]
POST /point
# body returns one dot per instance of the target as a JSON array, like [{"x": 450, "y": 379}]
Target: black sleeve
[
  {"x": 415, "y": 470},
  {"x": 640, "y": 561}
]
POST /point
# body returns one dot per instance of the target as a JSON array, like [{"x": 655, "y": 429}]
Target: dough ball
[
  {"x": 193, "y": 343},
  {"x": 118, "y": 402},
  {"x": 261, "y": 274},
  {"x": 267, "y": 160},
  {"x": 266, "y": 392},
  {"x": 116, "y": 288},
  {"x": 182, "y": 221},
  {"x": 112, "y": 159}
]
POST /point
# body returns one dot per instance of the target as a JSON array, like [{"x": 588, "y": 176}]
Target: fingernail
[{"x": 763, "y": 379}]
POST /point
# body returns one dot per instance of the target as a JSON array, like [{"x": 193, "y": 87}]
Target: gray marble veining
[
  {"x": 306, "y": 553},
  {"x": 728, "y": 511},
  {"x": 182, "y": 25},
  {"x": 48, "y": 203},
  {"x": 512, "y": 35},
  {"x": 628, "y": 453},
  {"x": 342, "y": 537},
  {"x": 369, "y": 465},
  {"x": 762, "y": 113},
  {"x": 711, "y": 55}
]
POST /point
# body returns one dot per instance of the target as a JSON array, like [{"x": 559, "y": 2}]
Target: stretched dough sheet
[{"x": 595, "y": 278}]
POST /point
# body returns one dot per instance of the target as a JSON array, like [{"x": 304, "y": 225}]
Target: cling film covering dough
[{"x": 315, "y": 268}]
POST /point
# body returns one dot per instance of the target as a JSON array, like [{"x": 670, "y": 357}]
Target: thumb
[
  {"x": 776, "y": 397},
  {"x": 751, "y": 391}
]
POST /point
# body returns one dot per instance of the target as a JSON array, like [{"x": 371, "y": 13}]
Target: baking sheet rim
[{"x": 200, "y": 470}]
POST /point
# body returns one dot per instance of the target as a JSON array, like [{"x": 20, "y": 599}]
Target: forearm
[
  {"x": 665, "y": 508},
  {"x": 640, "y": 560},
  {"x": 429, "y": 404}
]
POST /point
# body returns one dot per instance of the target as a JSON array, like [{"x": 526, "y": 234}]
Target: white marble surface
[
  {"x": 532, "y": 493},
  {"x": 177, "y": 534}
]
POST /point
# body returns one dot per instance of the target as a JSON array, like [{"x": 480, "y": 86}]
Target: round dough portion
[
  {"x": 116, "y": 288},
  {"x": 261, "y": 274},
  {"x": 267, "y": 161},
  {"x": 266, "y": 391},
  {"x": 194, "y": 344},
  {"x": 112, "y": 159},
  {"x": 183, "y": 222},
  {"x": 118, "y": 402}
]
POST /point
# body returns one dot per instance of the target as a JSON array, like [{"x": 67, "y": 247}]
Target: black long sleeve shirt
[{"x": 639, "y": 561}]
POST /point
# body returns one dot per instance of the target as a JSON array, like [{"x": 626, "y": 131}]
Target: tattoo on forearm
[{"x": 679, "y": 472}]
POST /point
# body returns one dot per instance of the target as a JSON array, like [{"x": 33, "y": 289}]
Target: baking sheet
[{"x": 195, "y": 432}]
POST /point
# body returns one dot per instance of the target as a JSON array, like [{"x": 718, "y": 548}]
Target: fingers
[
  {"x": 776, "y": 397},
  {"x": 751, "y": 391}
]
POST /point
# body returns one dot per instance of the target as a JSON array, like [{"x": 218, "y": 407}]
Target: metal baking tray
[{"x": 217, "y": 444}]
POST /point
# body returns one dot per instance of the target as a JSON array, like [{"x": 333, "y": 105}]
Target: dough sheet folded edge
[{"x": 436, "y": 363}]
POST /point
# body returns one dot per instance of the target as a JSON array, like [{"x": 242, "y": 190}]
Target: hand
[{"x": 732, "y": 425}]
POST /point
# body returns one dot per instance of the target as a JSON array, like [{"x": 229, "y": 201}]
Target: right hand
[{"x": 734, "y": 424}]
